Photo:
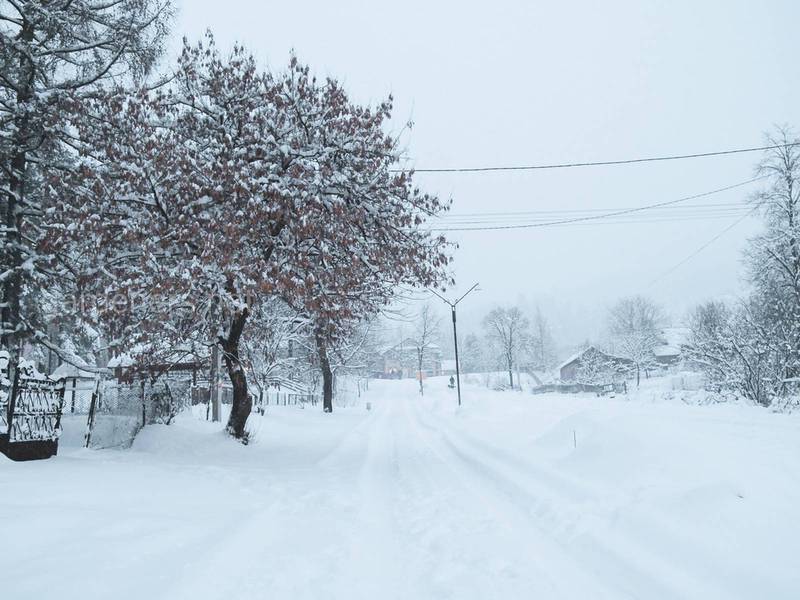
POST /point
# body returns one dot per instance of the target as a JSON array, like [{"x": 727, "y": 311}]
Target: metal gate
[{"x": 31, "y": 414}]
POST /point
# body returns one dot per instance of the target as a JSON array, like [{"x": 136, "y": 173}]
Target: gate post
[{"x": 92, "y": 409}]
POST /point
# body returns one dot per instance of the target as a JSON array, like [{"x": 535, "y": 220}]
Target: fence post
[
  {"x": 144, "y": 406},
  {"x": 12, "y": 400},
  {"x": 214, "y": 385},
  {"x": 74, "y": 385},
  {"x": 61, "y": 390},
  {"x": 92, "y": 409}
]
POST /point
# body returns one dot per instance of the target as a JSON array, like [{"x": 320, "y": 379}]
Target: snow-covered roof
[
  {"x": 122, "y": 360},
  {"x": 406, "y": 345},
  {"x": 65, "y": 370},
  {"x": 544, "y": 377},
  {"x": 177, "y": 356},
  {"x": 577, "y": 355},
  {"x": 666, "y": 351},
  {"x": 574, "y": 357},
  {"x": 673, "y": 338}
]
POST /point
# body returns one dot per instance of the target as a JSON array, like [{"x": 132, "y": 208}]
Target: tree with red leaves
[
  {"x": 54, "y": 55},
  {"x": 231, "y": 186}
]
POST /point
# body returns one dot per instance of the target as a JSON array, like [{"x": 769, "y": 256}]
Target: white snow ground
[{"x": 513, "y": 496}]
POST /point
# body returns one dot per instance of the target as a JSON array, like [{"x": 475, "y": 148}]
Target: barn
[{"x": 569, "y": 369}]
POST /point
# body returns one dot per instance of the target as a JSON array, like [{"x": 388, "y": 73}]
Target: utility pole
[
  {"x": 455, "y": 333},
  {"x": 214, "y": 391},
  {"x": 455, "y": 345}
]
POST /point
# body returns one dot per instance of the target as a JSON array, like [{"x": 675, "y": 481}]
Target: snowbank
[{"x": 510, "y": 496}]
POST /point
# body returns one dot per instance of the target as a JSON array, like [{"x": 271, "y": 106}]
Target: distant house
[
  {"x": 669, "y": 351},
  {"x": 401, "y": 361},
  {"x": 79, "y": 385},
  {"x": 449, "y": 366},
  {"x": 541, "y": 377},
  {"x": 179, "y": 363},
  {"x": 569, "y": 370}
]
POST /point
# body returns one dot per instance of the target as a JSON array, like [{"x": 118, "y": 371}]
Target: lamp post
[{"x": 455, "y": 333}]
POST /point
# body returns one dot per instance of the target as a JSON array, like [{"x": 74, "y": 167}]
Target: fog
[{"x": 521, "y": 83}]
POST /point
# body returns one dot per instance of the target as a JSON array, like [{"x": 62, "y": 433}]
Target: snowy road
[{"x": 417, "y": 500}]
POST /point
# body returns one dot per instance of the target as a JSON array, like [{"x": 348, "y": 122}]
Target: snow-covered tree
[
  {"x": 598, "y": 368},
  {"x": 542, "y": 345},
  {"x": 508, "y": 333},
  {"x": 273, "y": 346},
  {"x": 753, "y": 348},
  {"x": 709, "y": 345},
  {"x": 54, "y": 56},
  {"x": 353, "y": 353},
  {"x": 472, "y": 354},
  {"x": 736, "y": 350},
  {"x": 426, "y": 331},
  {"x": 203, "y": 198},
  {"x": 634, "y": 325},
  {"x": 773, "y": 258}
]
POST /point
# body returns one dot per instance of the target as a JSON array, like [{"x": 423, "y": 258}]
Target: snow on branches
[
  {"x": 54, "y": 55},
  {"x": 201, "y": 199}
]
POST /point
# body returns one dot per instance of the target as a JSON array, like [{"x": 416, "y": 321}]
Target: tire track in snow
[
  {"x": 534, "y": 564},
  {"x": 295, "y": 542},
  {"x": 376, "y": 556},
  {"x": 550, "y": 498}
]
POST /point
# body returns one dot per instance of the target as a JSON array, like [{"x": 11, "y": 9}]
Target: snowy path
[{"x": 417, "y": 500}]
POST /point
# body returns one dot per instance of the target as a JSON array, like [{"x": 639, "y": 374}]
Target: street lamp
[{"x": 455, "y": 334}]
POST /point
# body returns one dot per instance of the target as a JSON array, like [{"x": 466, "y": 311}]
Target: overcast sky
[{"x": 514, "y": 83}]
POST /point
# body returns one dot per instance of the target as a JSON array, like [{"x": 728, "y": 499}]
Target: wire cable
[
  {"x": 665, "y": 212},
  {"x": 600, "y": 163},
  {"x": 600, "y": 216},
  {"x": 558, "y": 212},
  {"x": 701, "y": 248}
]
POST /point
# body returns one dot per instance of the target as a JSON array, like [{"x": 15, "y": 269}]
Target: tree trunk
[
  {"x": 510, "y": 374},
  {"x": 419, "y": 369},
  {"x": 638, "y": 374},
  {"x": 12, "y": 285},
  {"x": 242, "y": 405},
  {"x": 327, "y": 374}
]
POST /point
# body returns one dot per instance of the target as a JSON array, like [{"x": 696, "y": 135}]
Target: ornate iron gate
[
  {"x": 5, "y": 392},
  {"x": 32, "y": 416}
]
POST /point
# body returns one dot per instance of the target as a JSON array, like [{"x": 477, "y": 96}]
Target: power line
[
  {"x": 701, "y": 248},
  {"x": 460, "y": 215},
  {"x": 641, "y": 220},
  {"x": 667, "y": 212},
  {"x": 645, "y": 221},
  {"x": 600, "y": 216},
  {"x": 650, "y": 217},
  {"x": 600, "y": 163}
]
